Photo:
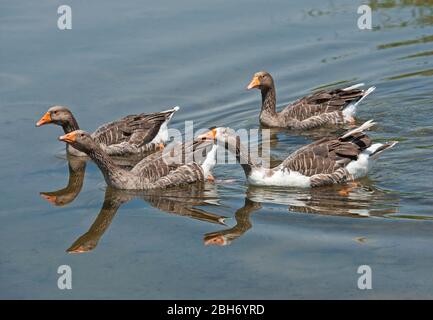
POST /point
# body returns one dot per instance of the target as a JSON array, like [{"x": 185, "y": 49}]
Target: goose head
[
  {"x": 80, "y": 140},
  {"x": 83, "y": 244},
  {"x": 216, "y": 133},
  {"x": 216, "y": 239},
  {"x": 58, "y": 199},
  {"x": 261, "y": 80},
  {"x": 56, "y": 114}
]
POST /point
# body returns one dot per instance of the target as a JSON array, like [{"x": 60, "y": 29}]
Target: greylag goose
[
  {"x": 131, "y": 135},
  {"x": 153, "y": 172},
  {"x": 324, "y": 107},
  {"x": 323, "y": 162}
]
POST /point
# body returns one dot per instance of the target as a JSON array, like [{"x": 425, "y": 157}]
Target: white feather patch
[
  {"x": 284, "y": 178},
  {"x": 354, "y": 86},
  {"x": 366, "y": 125},
  {"x": 350, "y": 111},
  {"x": 210, "y": 161},
  {"x": 162, "y": 135},
  {"x": 360, "y": 167}
]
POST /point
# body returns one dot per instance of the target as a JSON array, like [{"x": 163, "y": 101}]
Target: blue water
[{"x": 125, "y": 57}]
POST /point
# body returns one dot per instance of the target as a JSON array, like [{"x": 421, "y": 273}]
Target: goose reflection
[
  {"x": 77, "y": 170},
  {"x": 61, "y": 197},
  {"x": 243, "y": 224},
  {"x": 180, "y": 201},
  {"x": 356, "y": 200}
]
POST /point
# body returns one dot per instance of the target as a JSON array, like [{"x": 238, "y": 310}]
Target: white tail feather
[
  {"x": 366, "y": 93},
  {"x": 350, "y": 110},
  {"x": 354, "y": 86},
  {"x": 366, "y": 125},
  {"x": 384, "y": 147},
  {"x": 174, "y": 109}
]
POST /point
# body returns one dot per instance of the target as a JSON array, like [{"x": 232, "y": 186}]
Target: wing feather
[{"x": 327, "y": 155}]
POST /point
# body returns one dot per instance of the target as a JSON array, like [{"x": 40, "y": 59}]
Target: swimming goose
[
  {"x": 324, "y": 107},
  {"x": 131, "y": 135},
  {"x": 323, "y": 162},
  {"x": 152, "y": 172}
]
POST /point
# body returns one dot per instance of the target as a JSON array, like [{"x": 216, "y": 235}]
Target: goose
[
  {"x": 154, "y": 171},
  {"x": 131, "y": 135},
  {"x": 325, "y": 107},
  {"x": 324, "y": 162}
]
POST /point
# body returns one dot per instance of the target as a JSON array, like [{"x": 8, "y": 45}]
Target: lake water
[{"x": 124, "y": 57}]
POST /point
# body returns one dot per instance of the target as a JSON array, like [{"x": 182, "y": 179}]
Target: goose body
[
  {"x": 153, "y": 172},
  {"x": 281, "y": 177},
  {"x": 325, "y": 107},
  {"x": 323, "y": 162},
  {"x": 131, "y": 135}
]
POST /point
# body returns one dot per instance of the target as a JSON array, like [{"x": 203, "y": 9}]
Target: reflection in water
[
  {"x": 179, "y": 201},
  {"x": 243, "y": 224},
  {"x": 352, "y": 200},
  {"x": 410, "y": 13},
  {"x": 357, "y": 199},
  {"x": 183, "y": 200},
  {"x": 418, "y": 55},
  {"x": 425, "y": 73},
  {"x": 425, "y": 39},
  {"x": 77, "y": 169}
]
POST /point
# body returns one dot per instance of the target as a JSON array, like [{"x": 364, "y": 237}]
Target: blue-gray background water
[{"x": 124, "y": 57}]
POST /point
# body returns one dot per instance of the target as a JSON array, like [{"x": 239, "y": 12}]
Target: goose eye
[{"x": 82, "y": 135}]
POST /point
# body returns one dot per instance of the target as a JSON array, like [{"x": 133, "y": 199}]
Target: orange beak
[
  {"x": 254, "y": 83},
  {"x": 70, "y": 137},
  {"x": 80, "y": 249},
  {"x": 210, "y": 135},
  {"x": 218, "y": 240},
  {"x": 46, "y": 118},
  {"x": 49, "y": 198}
]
